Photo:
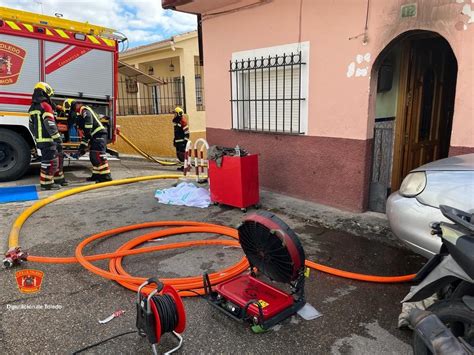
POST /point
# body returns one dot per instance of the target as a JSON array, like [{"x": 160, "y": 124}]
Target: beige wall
[
  {"x": 161, "y": 67},
  {"x": 151, "y": 133},
  {"x": 185, "y": 50}
]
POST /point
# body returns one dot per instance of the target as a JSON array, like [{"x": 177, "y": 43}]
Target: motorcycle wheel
[
  {"x": 456, "y": 316},
  {"x": 463, "y": 289}
]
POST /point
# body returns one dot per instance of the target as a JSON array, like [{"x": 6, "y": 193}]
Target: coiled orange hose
[{"x": 188, "y": 286}]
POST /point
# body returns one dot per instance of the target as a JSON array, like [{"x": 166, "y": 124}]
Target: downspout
[{"x": 201, "y": 51}]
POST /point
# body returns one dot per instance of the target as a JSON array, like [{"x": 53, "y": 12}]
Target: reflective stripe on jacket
[
  {"x": 181, "y": 130},
  {"x": 42, "y": 123},
  {"x": 90, "y": 123}
]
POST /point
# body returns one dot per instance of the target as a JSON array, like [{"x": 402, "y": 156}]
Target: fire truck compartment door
[
  {"x": 19, "y": 71},
  {"x": 72, "y": 70}
]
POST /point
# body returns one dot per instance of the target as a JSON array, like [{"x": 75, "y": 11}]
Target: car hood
[
  {"x": 460, "y": 162},
  {"x": 452, "y": 188}
]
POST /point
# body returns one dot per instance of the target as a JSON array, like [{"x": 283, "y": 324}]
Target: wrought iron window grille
[{"x": 266, "y": 93}]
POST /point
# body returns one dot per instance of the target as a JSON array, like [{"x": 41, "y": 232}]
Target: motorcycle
[{"x": 452, "y": 269}]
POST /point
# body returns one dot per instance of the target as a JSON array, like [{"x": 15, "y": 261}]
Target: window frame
[{"x": 245, "y": 59}]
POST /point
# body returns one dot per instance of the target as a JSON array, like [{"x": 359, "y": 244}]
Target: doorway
[{"x": 416, "y": 86}]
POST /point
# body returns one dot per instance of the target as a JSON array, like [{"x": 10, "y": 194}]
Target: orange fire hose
[
  {"x": 189, "y": 286},
  {"x": 359, "y": 277}
]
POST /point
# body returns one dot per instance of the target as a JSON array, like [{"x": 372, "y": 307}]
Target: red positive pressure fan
[{"x": 274, "y": 250}]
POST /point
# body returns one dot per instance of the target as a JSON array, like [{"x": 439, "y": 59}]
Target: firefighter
[
  {"x": 181, "y": 134},
  {"x": 43, "y": 126},
  {"x": 95, "y": 136}
]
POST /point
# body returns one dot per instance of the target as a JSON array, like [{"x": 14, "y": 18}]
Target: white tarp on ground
[{"x": 185, "y": 194}]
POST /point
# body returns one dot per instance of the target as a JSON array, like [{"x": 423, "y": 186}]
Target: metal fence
[
  {"x": 266, "y": 93},
  {"x": 139, "y": 99}
]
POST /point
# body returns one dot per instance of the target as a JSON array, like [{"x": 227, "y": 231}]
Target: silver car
[{"x": 411, "y": 210}]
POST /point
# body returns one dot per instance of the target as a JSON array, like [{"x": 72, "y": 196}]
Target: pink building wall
[
  {"x": 338, "y": 105},
  {"x": 331, "y": 164}
]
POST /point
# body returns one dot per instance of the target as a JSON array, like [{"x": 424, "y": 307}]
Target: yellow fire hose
[
  {"x": 184, "y": 283},
  {"x": 145, "y": 154},
  {"x": 15, "y": 231}
]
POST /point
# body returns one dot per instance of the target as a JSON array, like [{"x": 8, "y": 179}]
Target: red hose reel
[{"x": 160, "y": 312}]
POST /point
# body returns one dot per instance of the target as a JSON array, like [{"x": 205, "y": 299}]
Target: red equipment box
[
  {"x": 235, "y": 182},
  {"x": 245, "y": 288}
]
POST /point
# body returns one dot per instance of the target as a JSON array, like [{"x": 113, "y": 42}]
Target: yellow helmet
[
  {"x": 67, "y": 104},
  {"x": 179, "y": 111},
  {"x": 48, "y": 90}
]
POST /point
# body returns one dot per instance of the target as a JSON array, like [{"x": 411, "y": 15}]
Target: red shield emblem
[
  {"x": 11, "y": 61},
  {"x": 29, "y": 280}
]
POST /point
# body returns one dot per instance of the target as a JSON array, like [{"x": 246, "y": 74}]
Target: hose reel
[{"x": 160, "y": 312}]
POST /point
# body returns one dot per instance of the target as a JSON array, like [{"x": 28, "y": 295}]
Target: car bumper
[{"x": 410, "y": 221}]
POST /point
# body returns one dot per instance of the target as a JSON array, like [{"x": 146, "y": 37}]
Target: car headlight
[{"x": 413, "y": 184}]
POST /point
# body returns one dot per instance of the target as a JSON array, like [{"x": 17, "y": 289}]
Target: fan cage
[{"x": 272, "y": 247}]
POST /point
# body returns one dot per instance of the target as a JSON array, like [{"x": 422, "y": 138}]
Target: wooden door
[{"x": 425, "y": 109}]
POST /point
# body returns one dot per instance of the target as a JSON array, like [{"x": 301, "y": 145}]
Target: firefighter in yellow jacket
[
  {"x": 48, "y": 140},
  {"x": 95, "y": 136},
  {"x": 181, "y": 134}
]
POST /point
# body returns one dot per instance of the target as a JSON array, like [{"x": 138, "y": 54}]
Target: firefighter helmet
[
  {"x": 179, "y": 111},
  {"x": 68, "y": 104},
  {"x": 48, "y": 90}
]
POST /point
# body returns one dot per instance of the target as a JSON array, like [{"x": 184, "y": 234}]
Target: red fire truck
[{"x": 77, "y": 59}]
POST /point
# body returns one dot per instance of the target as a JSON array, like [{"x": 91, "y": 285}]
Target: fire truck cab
[{"x": 77, "y": 59}]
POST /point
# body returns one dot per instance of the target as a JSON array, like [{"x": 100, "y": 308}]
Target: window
[
  {"x": 151, "y": 99},
  {"x": 178, "y": 89},
  {"x": 131, "y": 84},
  {"x": 268, "y": 92},
  {"x": 198, "y": 74}
]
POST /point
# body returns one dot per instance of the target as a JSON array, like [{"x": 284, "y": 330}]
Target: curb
[{"x": 371, "y": 225}]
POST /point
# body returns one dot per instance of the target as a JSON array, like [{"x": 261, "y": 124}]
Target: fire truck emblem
[
  {"x": 29, "y": 280},
  {"x": 11, "y": 61}
]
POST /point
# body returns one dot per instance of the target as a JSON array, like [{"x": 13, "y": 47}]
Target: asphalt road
[{"x": 358, "y": 317}]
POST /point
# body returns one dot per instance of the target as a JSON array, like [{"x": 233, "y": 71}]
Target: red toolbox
[{"x": 235, "y": 182}]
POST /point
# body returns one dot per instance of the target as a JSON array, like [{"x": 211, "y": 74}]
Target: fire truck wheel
[{"x": 15, "y": 155}]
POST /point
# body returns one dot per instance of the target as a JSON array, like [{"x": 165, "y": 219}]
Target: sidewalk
[{"x": 371, "y": 225}]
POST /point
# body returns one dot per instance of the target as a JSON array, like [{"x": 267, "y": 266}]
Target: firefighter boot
[
  {"x": 104, "y": 178},
  {"x": 62, "y": 182},
  {"x": 50, "y": 187},
  {"x": 93, "y": 177}
]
